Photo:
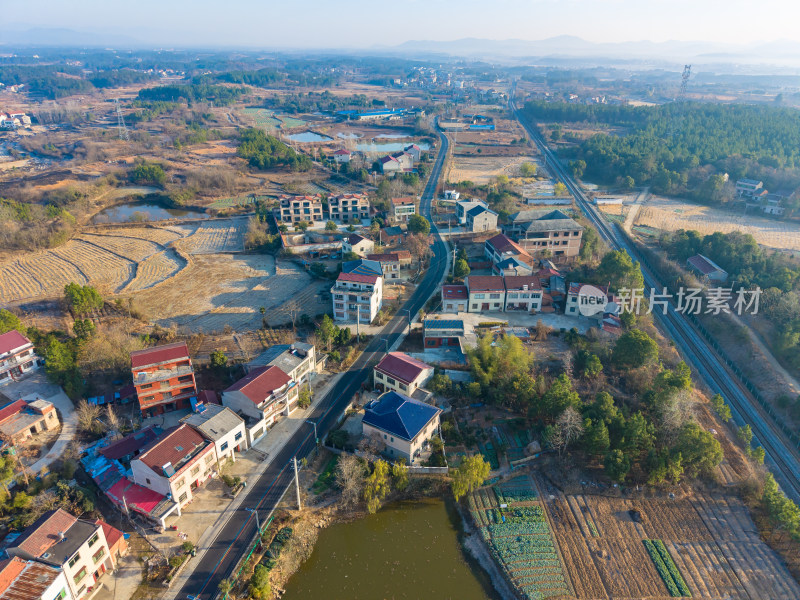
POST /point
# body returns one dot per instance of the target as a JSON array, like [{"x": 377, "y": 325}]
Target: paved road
[
  {"x": 265, "y": 493},
  {"x": 782, "y": 456}
]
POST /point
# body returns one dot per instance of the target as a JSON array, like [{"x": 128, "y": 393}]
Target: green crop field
[{"x": 667, "y": 569}]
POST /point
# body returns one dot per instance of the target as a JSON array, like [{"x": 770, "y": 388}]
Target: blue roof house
[{"x": 403, "y": 424}]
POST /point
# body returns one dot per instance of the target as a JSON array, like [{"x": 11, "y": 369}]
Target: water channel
[{"x": 407, "y": 550}]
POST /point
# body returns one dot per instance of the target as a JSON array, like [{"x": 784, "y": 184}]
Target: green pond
[{"x": 407, "y": 550}]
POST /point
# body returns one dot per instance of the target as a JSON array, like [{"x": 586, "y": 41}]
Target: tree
[
  {"x": 350, "y": 479},
  {"x": 567, "y": 428},
  {"x": 331, "y": 226},
  {"x": 617, "y": 465},
  {"x": 596, "y": 438},
  {"x": 82, "y": 299},
  {"x": 304, "y": 397},
  {"x": 700, "y": 450},
  {"x": 419, "y": 224},
  {"x": 745, "y": 435},
  {"x": 87, "y": 414},
  {"x": 620, "y": 271},
  {"x": 461, "y": 269},
  {"x": 148, "y": 173},
  {"x": 559, "y": 189},
  {"x": 578, "y": 167},
  {"x": 83, "y": 329},
  {"x": 259, "y": 588},
  {"x": 527, "y": 169},
  {"x": 419, "y": 245},
  {"x": 9, "y": 321},
  {"x": 326, "y": 331},
  {"x": 721, "y": 408},
  {"x": 587, "y": 365},
  {"x": 469, "y": 475},
  {"x": 377, "y": 486},
  {"x": 557, "y": 399},
  {"x": 218, "y": 359},
  {"x": 302, "y": 226},
  {"x": 399, "y": 476},
  {"x": 112, "y": 419},
  {"x": 634, "y": 349}
]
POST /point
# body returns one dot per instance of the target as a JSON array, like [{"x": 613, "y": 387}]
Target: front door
[{"x": 485, "y": 306}]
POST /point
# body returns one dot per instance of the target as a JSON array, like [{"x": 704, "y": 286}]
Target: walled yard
[
  {"x": 709, "y": 546},
  {"x": 671, "y": 215}
]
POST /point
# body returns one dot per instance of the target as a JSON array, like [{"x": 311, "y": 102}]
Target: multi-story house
[
  {"x": 357, "y": 244},
  {"x": 297, "y": 360},
  {"x": 464, "y": 206},
  {"x": 79, "y": 548},
  {"x": 261, "y": 397},
  {"x": 748, "y": 188},
  {"x": 574, "y": 298},
  {"x": 223, "y": 427},
  {"x": 500, "y": 247},
  {"x": 16, "y": 356},
  {"x": 349, "y": 208},
  {"x": 480, "y": 219},
  {"x": 454, "y": 298},
  {"x": 175, "y": 464},
  {"x": 403, "y": 424},
  {"x": 164, "y": 378},
  {"x": 392, "y": 262},
  {"x": 31, "y": 580},
  {"x": 486, "y": 293},
  {"x": 523, "y": 293},
  {"x": 399, "y": 372},
  {"x": 357, "y": 297},
  {"x": 538, "y": 230},
  {"x": 403, "y": 208},
  {"x": 293, "y": 209}
]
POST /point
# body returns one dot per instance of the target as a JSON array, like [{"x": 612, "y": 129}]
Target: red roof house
[{"x": 402, "y": 373}]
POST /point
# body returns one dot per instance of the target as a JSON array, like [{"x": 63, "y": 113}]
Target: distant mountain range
[{"x": 18, "y": 35}]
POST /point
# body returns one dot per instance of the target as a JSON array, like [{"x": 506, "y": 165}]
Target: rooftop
[
  {"x": 502, "y": 244},
  {"x": 455, "y": 292},
  {"x": 168, "y": 453},
  {"x": 399, "y": 415},
  {"x": 55, "y": 537},
  {"x": 159, "y": 354},
  {"x": 385, "y": 257},
  {"x": 394, "y": 230},
  {"x": 444, "y": 324},
  {"x": 286, "y": 357},
  {"x": 25, "y": 580},
  {"x": 214, "y": 421},
  {"x": 705, "y": 265},
  {"x": 520, "y": 282},
  {"x": 354, "y": 238},
  {"x": 131, "y": 443},
  {"x": 485, "y": 283},
  {"x": 260, "y": 383},
  {"x": 405, "y": 201},
  {"x": 575, "y": 288},
  {"x": 356, "y": 278},
  {"x": 401, "y": 366},
  {"x": 362, "y": 267},
  {"x": 12, "y": 340}
]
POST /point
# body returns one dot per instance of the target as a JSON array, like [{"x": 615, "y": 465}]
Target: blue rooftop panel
[{"x": 399, "y": 415}]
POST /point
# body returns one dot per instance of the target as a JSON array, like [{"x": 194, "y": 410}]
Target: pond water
[
  {"x": 407, "y": 550},
  {"x": 348, "y": 136},
  {"x": 144, "y": 211},
  {"x": 389, "y": 146},
  {"x": 309, "y": 136}
]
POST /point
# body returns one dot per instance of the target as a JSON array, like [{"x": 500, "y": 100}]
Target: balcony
[
  {"x": 161, "y": 375},
  {"x": 276, "y": 397}
]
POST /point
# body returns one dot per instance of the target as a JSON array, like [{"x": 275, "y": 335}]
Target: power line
[{"x": 123, "y": 130}]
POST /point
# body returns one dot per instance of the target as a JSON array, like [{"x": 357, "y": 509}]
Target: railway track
[{"x": 781, "y": 455}]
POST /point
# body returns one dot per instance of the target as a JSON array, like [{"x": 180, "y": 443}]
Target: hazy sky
[{"x": 362, "y": 23}]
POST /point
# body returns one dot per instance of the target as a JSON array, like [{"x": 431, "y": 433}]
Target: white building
[
  {"x": 177, "y": 462},
  {"x": 297, "y": 360},
  {"x": 399, "y": 372},
  {"x": 223, "y": 427},
  {"x": 357, "y": 296},
  {"x": 358, "y": 244},
  {"x": 747, "y": 188},
  {"x": 464, "y": 206},
  {"x": 261, "y": 397},
  {"x": 16, "y": 356},
  {"x": 342, "y": 156}
]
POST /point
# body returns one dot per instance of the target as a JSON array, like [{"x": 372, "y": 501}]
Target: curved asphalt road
[{"x": 264, "y": 493}]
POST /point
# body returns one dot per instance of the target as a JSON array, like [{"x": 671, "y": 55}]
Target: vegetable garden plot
[{"x": 666, "y": 568}]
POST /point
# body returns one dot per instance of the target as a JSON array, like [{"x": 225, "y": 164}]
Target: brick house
[
  {"x": 21, "y": 420},
  {"x": 399, "y": 372},
  {"x": 164, "y": 378},
  {"x": 486, "y": 293}
]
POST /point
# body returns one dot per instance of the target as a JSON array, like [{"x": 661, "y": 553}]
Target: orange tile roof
[{"x": 43, "y": 534}]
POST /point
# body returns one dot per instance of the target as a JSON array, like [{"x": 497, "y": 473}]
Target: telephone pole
[
  {"x": 297, "y": 483},
  {"x": 453, "y": 266}
]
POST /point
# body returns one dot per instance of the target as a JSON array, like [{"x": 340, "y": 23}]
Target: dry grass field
[
  {"x": 482, "y": 169},
  {"x": 670, "y": 215},
  {"x": 711, "y": 539}
]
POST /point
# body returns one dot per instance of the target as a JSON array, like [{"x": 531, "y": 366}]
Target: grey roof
[
  {"x": 363, "y": 266},
  {"x": 283, "y": 356},
  {"x": 214, "y": 421},
  {"x": 476, "y": 210},
  {"x": 523, "y": 216},
  {"x": 552, "y": 225},
  {"x": 74, "y": 538}
]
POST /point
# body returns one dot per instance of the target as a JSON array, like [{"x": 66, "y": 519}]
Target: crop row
[
  {"x": 542, "y": 576},
  {"x": 537, "y": 564},
  {"x": 666, "y": 568},
  {"x": 534, "y": 592},
  {"x": 514, "y": 529},
  {"x": 509, "y": 496}
]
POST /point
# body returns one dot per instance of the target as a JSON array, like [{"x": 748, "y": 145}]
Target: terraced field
[
  {"x": 156, "y": 268},
  {"x": 214, "y": 237}
]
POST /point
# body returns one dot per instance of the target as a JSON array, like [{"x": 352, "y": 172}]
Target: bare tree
[
  {"x": 568, "y": 428},
  {"x": 87, "y": 415},
  {"x": 113, "y": 420},
  {"x": 542, "y": 331},
  {"x": 350, "y": 478},
  {"x": 372, "y": 447},
  {"x": 673, "y": 412}
]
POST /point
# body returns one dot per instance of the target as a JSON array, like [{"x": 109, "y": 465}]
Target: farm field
[
  {"x": 481, "y": 170},
  {"x": 671, "y": 215},
  {"x": 213, "y": 237},
  {"x": 710, "y": 542}
]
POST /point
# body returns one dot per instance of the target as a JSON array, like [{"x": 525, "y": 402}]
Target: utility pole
[
  {"x": 297, "y": 483},
  {"x": 258, "y": 523},
  {"x": 453, "y": 266}
]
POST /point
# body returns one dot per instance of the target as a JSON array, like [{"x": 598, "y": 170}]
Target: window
[
  {"x": 390, "y": 381},
  {"x": 391, "y": 439},
  {"x": 73, "y": 561},
  {"x": 182, "y": 498},
  {"x": 146, "y": 385},
  {"x": 378, "y": 375},
  {"x": 494, "y": 296},
  {"x": 238, "y": 436},
  {"x": 80, "y": 575},
  {"x": 403, "y": 386},
  {"x": 224, "y": 447},
  {"x": 195, "y": 470},
  {"x": 98, "y": 555},
  {"x": 210, "y": 457},
  {"x": 94, "y": 539},
  {"x": 181, "y": 482},
  {"x": 62, "y": 594},
  {"x": 479, "y": 296},
  {"x": 147, "y": 480},
  {"x": 474, "y": 306}
]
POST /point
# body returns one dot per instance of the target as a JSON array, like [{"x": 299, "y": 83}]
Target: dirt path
[
  {"x": 791, "y": 381},
  {"x": 634, "y": 209}
]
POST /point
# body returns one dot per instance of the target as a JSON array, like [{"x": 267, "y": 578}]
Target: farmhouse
[
  {"x": 414, "y": 150},
  {"x": 79, "y": 548},
  {"x": 486, "y": 293},
  {"x": 574, "y": 294},
  {"x": 357, "y": 244},
  {"x": 454, "y": 298},
  {"x": 707, "y": 269},
  {"x": 297, "y": 360},
  {"x": 403, "y": 208},
  {"x": 481, "y": 219},
  {"x": 21, "y": 420},
  {"x": 129, "y": 447},
  {"x": 399, "y": 372},
  {"x": 404, "y": 425},
  {"x": 293, "y": 209},
  {"x": 164, "y": 378},
  {"x": 261, "y": 397},
  {"x": 175, "y": 464},
  {"x": 389, "y": 164},
  {"x": 501, "y": 247},
  {"x": 451, "y": 195},
  {"x": 342, "y": 156},
  {"x": 16, "y": 356},
  {"x": 748, "y": 188},
  {"x": 31, "y": 580},
  {"x": 537, "y": 231},
  {"x": 464, "y": 206},
  {"x": 392, "y": 262},
  {"x": 349, "y": 208},
  {"x": 357, "y": 297},
  {"x": 523, "y": 293},
  {"x": 223, "y": 427},
  {"x": 443, "y": 332},
  {"x": 392, "y": 236}
]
